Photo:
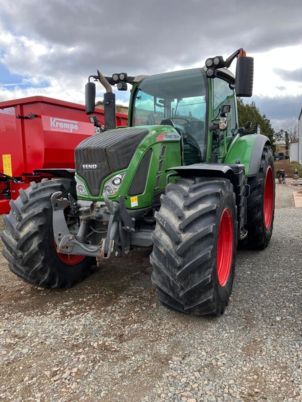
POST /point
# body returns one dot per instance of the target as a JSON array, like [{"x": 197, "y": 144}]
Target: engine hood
[{"x": 107, "y": 152}]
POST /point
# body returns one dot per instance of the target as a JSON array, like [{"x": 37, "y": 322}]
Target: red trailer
[{"x": 37, "y": 135}]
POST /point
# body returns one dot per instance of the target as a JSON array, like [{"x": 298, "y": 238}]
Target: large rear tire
[
  {"x": 29, "y": 243},
  {"x": 261, "y": 204},
  {"x": 195, "y": 243}
]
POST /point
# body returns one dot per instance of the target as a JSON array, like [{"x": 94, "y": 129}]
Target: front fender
[{"x": 247, "y": 150}]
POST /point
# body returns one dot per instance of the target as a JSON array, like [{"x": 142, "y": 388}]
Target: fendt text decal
[{"x": 68, "y": 126}]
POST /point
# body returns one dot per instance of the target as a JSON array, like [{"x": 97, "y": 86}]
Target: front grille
[{"x": 105, "y": 153}]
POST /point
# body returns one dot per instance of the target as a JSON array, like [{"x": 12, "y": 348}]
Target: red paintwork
[
  {"x": 46, "y": 141},
  {"x": 225, "y": 247},
  {"x": 70, "y": 259},
  {"x": 4, "y": 207},
  {"x": 268, "y": 202}
]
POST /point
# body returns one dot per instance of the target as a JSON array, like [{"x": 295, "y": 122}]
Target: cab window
[{"x": 224, "y": 95}]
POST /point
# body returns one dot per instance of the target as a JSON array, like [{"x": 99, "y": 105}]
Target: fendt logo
[
  {"x": 64, "y": 125},
  {"x": 89, "y": 166}
]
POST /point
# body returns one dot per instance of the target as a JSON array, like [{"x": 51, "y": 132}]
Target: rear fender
[{"x": 247, "y": 150}]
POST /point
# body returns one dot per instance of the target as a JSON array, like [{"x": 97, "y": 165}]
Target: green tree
[{"x": 249, "y": 113}]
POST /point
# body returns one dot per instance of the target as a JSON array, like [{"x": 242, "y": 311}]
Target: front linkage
[{"x": 120, "y": 226}]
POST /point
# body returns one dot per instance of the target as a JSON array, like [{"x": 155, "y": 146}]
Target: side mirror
[
  {"x": 244, "y": 76},
  {"x": 225, "y": 110},
  {"x": 90, "y": 97}
]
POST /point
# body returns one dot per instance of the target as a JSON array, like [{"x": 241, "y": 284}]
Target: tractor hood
[{"x": 107, "y": 152}]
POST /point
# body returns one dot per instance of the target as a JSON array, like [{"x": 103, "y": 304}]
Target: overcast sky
[{"x": 50, "y": 47}]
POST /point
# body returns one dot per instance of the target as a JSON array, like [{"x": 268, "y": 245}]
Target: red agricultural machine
[{"x": 38, "y": 136}]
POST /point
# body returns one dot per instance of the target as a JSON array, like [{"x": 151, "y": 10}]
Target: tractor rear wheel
[
  {"x": 195, "y": 243},
  {"x": 261, "y": 204},
  {"x": 28, "y": 239}
]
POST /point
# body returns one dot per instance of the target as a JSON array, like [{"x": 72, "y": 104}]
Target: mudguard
[
  {"x": 247, "y": 150},
  {"x": 208, "y": 169},
  {"x": 234, "y": 172}
]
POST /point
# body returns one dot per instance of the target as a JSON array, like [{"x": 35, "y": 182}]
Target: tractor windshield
[{"x": 178, "y": 96}]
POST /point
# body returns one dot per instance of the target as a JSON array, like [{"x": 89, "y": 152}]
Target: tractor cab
[
  {"x": 199, "y": 103},
  {"x": 177, "y": 99}
]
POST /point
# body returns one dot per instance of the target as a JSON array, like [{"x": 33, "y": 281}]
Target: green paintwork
[
  {"x": 157, "y": 138},
  {"x": 210, "y": 117},
  {"x": 241, "y": 150}
]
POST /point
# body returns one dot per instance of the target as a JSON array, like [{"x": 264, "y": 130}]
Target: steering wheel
[{"x": 186, "y": 136}]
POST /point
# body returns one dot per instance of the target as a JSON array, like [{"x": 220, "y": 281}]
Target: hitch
[
  {"x": 118, "y": 237},
  {"x": 120, "y": 226},
  {"x": 67, "y": 242}
]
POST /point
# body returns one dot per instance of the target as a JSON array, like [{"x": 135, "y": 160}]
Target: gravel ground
[
  {"x": 285, "y": 197},
  {"x": 108, "y": 339}
]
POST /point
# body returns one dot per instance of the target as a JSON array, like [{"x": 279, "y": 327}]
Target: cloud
[
  {"x": 285, "y": 107},
  {"x": 282, "y": 111},
  {"x": 61, "y": 42},
  {"x": 77, "y": 36},
  {"x": 281, "y": 88},
  {"x": 290, "y": 75}
]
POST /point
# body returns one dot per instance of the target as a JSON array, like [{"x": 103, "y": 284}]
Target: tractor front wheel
[
  {"x": 28, "y": 239},
  {"x": 195, "y": 243}
]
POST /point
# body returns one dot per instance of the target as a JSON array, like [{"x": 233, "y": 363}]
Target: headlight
[
  {"x": 111, "y": 186},
  {"x": 80, "y": 187},
  {"x": 209, "y": 62}
]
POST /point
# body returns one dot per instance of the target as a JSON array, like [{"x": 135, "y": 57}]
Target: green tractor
[{"x": 183, "y": 178}]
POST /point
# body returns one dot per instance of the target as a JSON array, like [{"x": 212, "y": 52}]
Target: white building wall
[
  {"x": 300, "y": 138},
  {"x": 294, "y": 152}
]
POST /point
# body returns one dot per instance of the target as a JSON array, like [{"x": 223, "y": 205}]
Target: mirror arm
[
  {"x": 238, "y": 53},
  {"x": 104, "y": 81}
]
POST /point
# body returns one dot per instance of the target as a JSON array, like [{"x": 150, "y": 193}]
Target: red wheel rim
[
  {"x": 69, "y": 259},
  {"x": 225, "y": 247},
  {"x": 268, "y": 201}
]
